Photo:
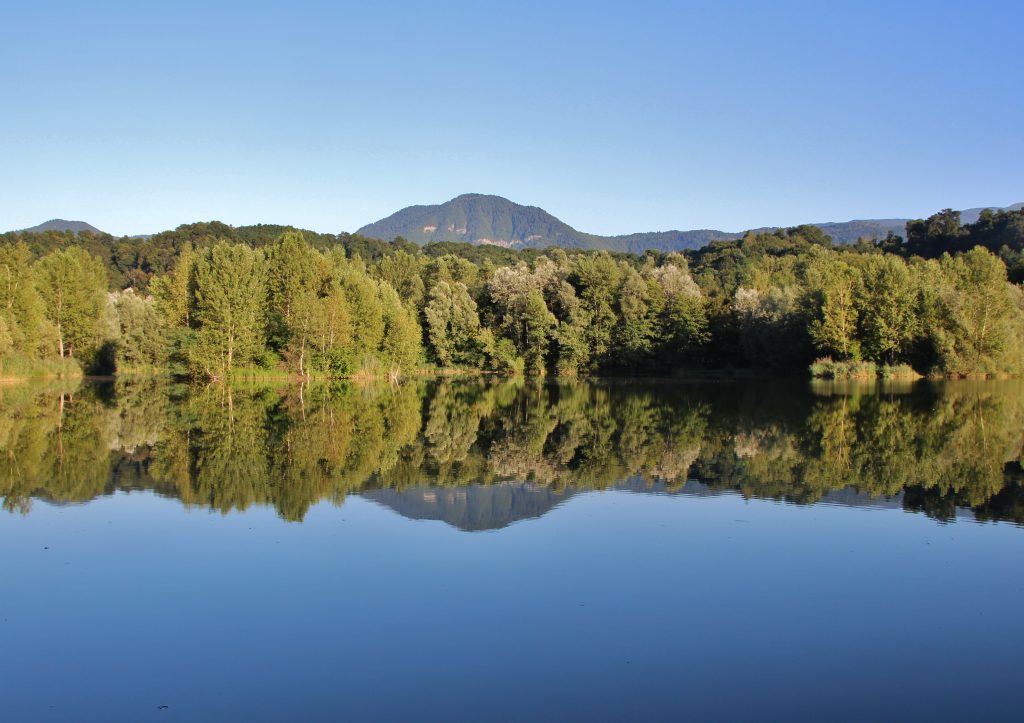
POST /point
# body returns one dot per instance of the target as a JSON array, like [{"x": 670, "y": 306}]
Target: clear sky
[{"x": 615, "y": 117}]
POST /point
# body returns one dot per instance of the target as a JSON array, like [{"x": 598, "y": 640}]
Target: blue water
[{"x": 612, "y": 605}]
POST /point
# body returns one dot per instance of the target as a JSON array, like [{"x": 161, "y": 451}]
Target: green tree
[
  {"x": 403, "y": 271},
  {"x": 538, "y": 324},
  {"x": 831, "y": 299},
  {"x": 332, "y": 331},
  {"x": 141, "y": 338},
  {"x": 296, "y": 273},
  {"x": 402, "y": 345},
  {"x": 174, "y": 291},
  {"x": 597, "y": 279},
  {"x": 886, "y": 308},
  {"x": 453, "y": 325},
  {"x": 635, "y": 329},
  {"x": 230, "y": 308},
  {"x": 21, "y": 306},
  {"x": 982, "y": 320},
  {"x": 73, "y": 286},
  {"x": 366, "y": 316}
]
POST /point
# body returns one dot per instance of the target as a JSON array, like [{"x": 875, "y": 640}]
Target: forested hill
[
  {"x": 971, "y": 215},
  {"x": 59, "y": 224},
  {"x": 211, "y": 301},
  {"x": 477, "y": 218},
  {"x": 484, "y": 219},
  {"x": 496, "y": 221}
]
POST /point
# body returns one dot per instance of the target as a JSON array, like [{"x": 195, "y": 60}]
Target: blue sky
[{"x": 616, "y": 117}]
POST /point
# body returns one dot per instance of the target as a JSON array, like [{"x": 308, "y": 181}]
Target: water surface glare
[{"x": 509, "y": 551}]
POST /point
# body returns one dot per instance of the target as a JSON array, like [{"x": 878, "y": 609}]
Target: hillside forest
[{"x": 209, "y": 301}]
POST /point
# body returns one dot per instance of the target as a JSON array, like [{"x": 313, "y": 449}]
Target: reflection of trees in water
[{"x": 939, "y": 446}]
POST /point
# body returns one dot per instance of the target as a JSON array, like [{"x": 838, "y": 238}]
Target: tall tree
[
  {"x": 402, "y": 345},
  {"x": 21, "y": 306},
  {"x": 141, "y": 341},
  {"x": 403, "y": 272},
  {"x": 295, "y": 273},
  {"x": 453, "y": 325},
  {"x": 983, "y": 323},
  {"x": 230, "y": 308},
  {"x": 886, "y": 308},
  {"x": 832, "y": 308},
  {"x": 73, "y": 287}
]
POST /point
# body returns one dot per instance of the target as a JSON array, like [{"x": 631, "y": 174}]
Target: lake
[{"x": 480, "y": 549}]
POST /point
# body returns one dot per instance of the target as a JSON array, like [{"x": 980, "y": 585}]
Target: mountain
[
  {"x": 59, "y": 224},
  {"x": 484, "y": 219},
  {"x": 477, "y": 218},
  {"x": 971, "y": 215}
]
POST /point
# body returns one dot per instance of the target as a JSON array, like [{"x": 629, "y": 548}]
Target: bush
[
  {"x": 504, "y": 358},
  {"x": 897, "y": 371},
  {"x": 829, "y": 368}
]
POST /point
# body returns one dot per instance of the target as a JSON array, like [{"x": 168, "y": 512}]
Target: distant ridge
[
  {"x": 485, "y": 219},
  {"x": 971, "y": 215},
  {"x": 59, "y": 224}
]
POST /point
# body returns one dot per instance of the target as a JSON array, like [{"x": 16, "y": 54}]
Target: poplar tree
[
  {"x": 402, "y": 344},
  {"x": 832, "y": 307},
  {"x": 21, "y": 306},
  {"x": 230, "y": 308},
  {"x": 73, "y": 285}
]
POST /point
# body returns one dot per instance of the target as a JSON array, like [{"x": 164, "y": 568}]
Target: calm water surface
[{"x": 509, "y": 551}]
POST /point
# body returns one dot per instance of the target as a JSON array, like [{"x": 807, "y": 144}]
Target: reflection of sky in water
[
  {"x": 612, "y": 605},
  {"x": 706, "y": 551}
]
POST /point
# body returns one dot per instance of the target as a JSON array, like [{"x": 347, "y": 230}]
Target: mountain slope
[
  {"x": 478, "y": 218},
  {"x": 59, "y": 224},
  {"x": 970, "y": 215}
]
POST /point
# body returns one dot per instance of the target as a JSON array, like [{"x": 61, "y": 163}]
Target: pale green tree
[
  {"x": 296, "y": 272},
  {"x": 404, "y": 272},
  {"x": 21, "y": 306},
  {"x": 597, "y": 279},
  {"x": 886, "y": 307},
  {"x": 981, "y": 329},
  {"x": 453, "y": 325},
  {"x": 832, "y": 287},
  {"x": 402, "y": 344},
  {"x": 73, "y": 286},
  {"x": 141, "y": 338}
]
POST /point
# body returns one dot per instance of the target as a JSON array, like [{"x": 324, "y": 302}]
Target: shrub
[{"x": 829, "y": 368}]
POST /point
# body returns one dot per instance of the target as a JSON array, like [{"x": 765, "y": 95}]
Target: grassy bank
[{"x": 852, "y": 370}]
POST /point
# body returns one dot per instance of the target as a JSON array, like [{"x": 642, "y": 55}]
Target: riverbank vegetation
[{"x": 210, "y": 301}]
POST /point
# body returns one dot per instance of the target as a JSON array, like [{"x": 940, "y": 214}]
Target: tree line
[{"x": 211, "y": 301}]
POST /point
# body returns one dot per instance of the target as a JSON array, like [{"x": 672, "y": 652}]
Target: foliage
[
  {"x": 828, "y": 368},
  {"x": 72, "y": 285},
  {"x": 230, "y": 309},
  {"x": 278, "y": 301}
]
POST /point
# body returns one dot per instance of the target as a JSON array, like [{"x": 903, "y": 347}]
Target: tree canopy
[{"x": 211, "y": 300}]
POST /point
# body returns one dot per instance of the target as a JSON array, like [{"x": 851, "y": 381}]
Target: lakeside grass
[{"x": 858, "y": 370}]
